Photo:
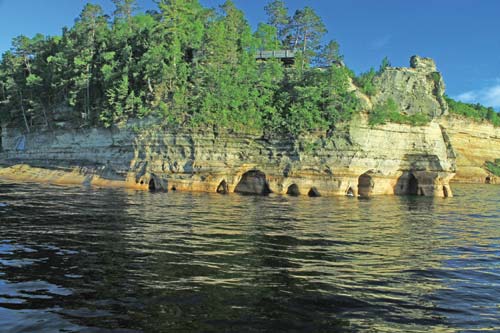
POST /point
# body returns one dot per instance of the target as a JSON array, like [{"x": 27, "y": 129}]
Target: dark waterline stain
[{"x": 91, "y": 260}]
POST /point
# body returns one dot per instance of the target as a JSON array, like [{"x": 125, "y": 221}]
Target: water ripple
[{"x": 99, "y": 260}]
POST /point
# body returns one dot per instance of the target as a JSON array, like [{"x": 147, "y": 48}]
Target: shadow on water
[{"x": 92, "y": 260}]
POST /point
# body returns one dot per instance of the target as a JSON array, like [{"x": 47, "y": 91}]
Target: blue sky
[{"x": 463, "y": 36}]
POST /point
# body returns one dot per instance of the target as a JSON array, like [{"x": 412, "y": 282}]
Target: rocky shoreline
[
  {"x": 355, "y": 159},
  {"x": 360, "y": 159}
]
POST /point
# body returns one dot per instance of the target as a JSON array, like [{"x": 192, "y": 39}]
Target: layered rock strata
[
  {"x": 389, "y": 159},
  {"x": 475, "y": 144},
  {"x": 357, "y": 159}
]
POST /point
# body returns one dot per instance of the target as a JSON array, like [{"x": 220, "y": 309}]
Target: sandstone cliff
[
  {"x": 389, "y": 159},
  {"x": 475, "y": 144},
  {"x": 355, "y": 159}
]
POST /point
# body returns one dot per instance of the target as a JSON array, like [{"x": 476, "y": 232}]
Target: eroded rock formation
[
  {"x": 357, "y": 159},
  {"x": 205, "y": 161},
  {"x": 418, "y": 89}
]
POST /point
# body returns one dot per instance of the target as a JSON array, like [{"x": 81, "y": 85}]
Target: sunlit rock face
[
  {"x": 398, "y": 159},
  {"x": 355, "y": 159},
  {"x": 475, "y": 144},
  {"x": 418, "y": 89}
]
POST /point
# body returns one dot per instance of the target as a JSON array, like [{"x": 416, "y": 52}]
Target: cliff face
[
  {"x": 391, "y": 159},
  {"x": 418, "y": 89},
  {"x": 357, "y": 159},
  {"x": 475, "y": 144}
]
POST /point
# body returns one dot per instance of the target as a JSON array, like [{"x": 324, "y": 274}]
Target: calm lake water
[{"x": 76, "y": 259}]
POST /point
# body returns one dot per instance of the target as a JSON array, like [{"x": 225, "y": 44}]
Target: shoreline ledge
[{"x": 359, "y": 159}]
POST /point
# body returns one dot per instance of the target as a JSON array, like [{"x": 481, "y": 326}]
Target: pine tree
[
  {"x": 124, "y": 9},
  {"x": 89, "y": 28},
  {"x": 329, "y": 54},
  {"x": 307, "y": 30},
  {"x": 278, "y": 17}
]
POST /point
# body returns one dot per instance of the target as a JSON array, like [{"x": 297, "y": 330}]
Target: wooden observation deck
[{"x": 286, "y": 56}]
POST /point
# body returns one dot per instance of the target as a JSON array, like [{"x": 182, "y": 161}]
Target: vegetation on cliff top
[
  {"x": 182, "y": 64},
  {"x": 187, "y": 66},
  {"x": 476, "y": 112}
]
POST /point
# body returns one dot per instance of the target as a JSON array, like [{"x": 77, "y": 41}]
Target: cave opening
[
  {"x": 253, "y": 182},
  {"x": 412, "y": 185},
  {"x": 223, "y": 188},
  {"x": 293, "y": 190},
  {"x": 314, "y": 193},
  {"x": 350, "y": 192},
  {"x": 365, "y": 185},
  {"x": 152, "y": 185}
]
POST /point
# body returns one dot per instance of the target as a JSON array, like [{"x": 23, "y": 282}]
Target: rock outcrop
[
  {"x": 357, "y": 159},
  {"x": 418, "y": 89}
]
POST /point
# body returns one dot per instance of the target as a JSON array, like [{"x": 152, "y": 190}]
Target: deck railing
[{"x": 280, "y": 54}]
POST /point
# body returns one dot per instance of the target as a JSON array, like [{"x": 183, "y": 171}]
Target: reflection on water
[{"x": 92, "y": 260}]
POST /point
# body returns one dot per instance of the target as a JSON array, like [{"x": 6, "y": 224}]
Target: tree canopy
[{"x": 182, "y": 66}]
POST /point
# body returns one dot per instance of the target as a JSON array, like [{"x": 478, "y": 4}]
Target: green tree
[
  {"x": 278, "y": 17},
  {"x": 384, "y": 65},
  {"x": 265, "y": 37},
  {"x": 329, "y": 54},
  {"x": 365, "y": 81},
  {"x": 226, "y": 92},
  {"x": 13, "y": 87},
  {"x": 90, "y": 27},
  {"x": 183, "y": 65},
  {"x": 308, "y": 29},
  {"x": 168, "y": 66},
  {"x": 124, "y": 9},
  {"x": 476, "y": 111}
]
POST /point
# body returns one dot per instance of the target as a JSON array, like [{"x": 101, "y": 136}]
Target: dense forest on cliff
[{"x": 182, "y": 65}]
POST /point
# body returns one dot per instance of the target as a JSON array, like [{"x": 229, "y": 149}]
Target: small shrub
[
  {"x": 436, "y": 77},
  {"x": 388, "y": 112},
  {"x": 494, "y": 167},
  {"x": 365, "y": 82}
]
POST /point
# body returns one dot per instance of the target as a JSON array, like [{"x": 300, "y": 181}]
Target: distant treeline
[{"x": 476, "y": 111}]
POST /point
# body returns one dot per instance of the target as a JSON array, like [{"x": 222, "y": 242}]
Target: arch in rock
[
  {"x": 445, "y": 192},
  {"x": 349, "y": 192},
  {"x": 223, "y": 188},
  {"x": 152, "y": 185},
  {"x": 253, "y": 182},
  {"x": 313, "y": 192},
  {"x": 365, "y": 184},
  {"x": 293, "y": 190},
  {"x": 407, "y": 184},
  {"x": 412, "y": 185},
  {"x": 487, "y": 180}
]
